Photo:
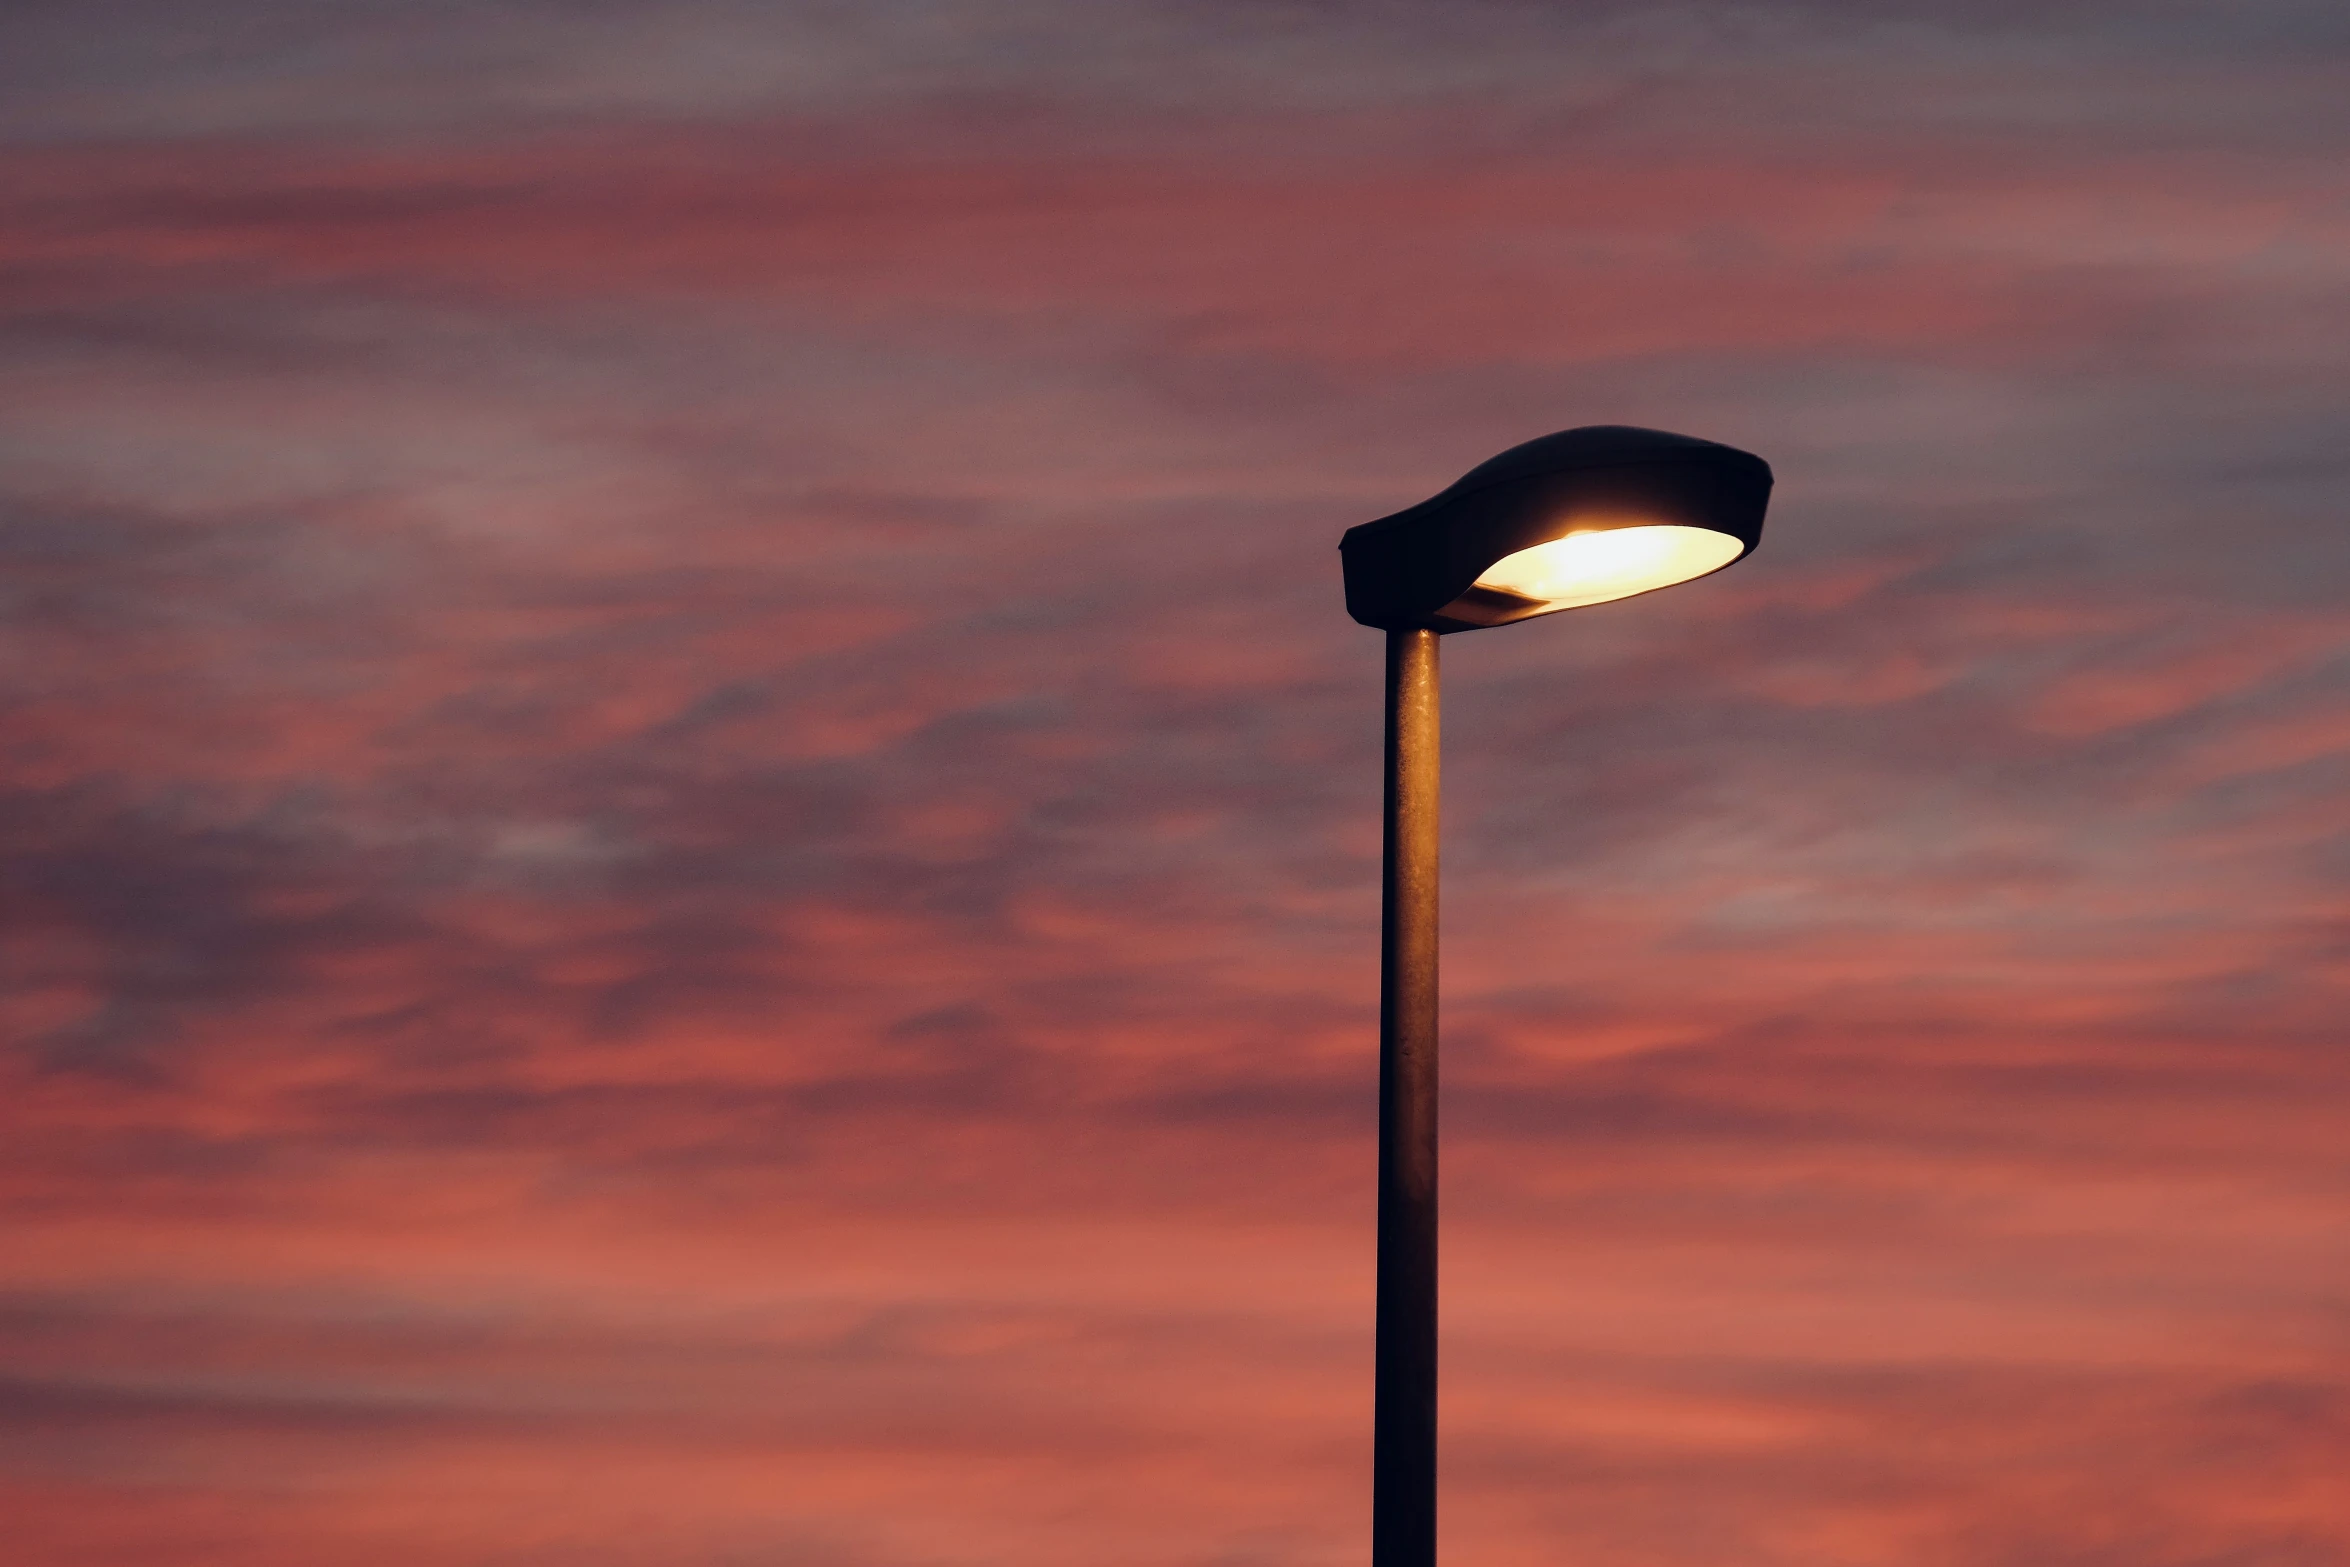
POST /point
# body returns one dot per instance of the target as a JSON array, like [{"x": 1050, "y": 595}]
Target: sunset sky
[{"x": 689, "y": 873}]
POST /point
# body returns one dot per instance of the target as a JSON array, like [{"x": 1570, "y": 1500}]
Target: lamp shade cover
[{"x": 1580, "y": 517}]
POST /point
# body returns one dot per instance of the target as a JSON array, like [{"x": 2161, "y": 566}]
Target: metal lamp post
[{"x": 1577, "y": 518}]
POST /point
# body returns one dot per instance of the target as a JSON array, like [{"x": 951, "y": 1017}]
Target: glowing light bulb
[{"x": 1612, "y": 563}]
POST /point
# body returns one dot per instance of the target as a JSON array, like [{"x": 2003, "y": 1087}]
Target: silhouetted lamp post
[{"x": 1577, "y": 518}]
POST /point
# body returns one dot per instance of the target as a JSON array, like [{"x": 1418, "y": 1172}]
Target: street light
[{"x": 1577, "y": 518}]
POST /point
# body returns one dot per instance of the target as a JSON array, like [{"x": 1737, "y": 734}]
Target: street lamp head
[{"x": 1580, "y": 517}]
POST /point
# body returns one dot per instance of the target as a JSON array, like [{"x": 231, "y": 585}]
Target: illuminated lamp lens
[{"x": 1611, "y": 563}]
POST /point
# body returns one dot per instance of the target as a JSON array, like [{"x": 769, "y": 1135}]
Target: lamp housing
[{"x": 1581, "y": 517}]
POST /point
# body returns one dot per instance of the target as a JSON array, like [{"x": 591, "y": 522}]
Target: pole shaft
[{"x": 1403, "y": 1507}]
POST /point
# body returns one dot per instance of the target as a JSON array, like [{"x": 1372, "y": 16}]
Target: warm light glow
[{"x": 1612, "y": 563}]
